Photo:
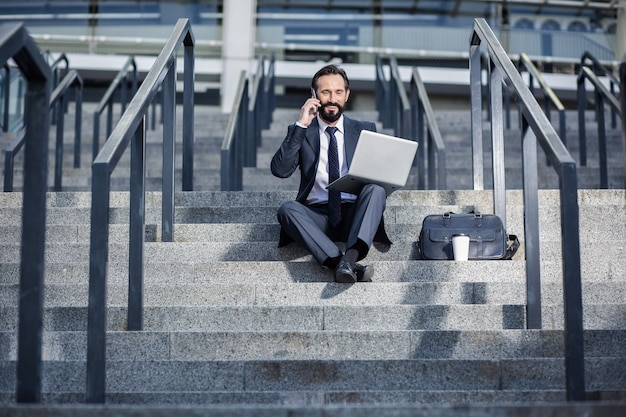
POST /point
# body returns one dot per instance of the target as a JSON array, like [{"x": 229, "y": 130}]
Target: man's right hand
[{"x": 308, "y": 111}]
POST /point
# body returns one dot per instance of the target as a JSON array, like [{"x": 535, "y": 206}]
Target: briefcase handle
[
  {"x": 477, "y": 214},
  {"x": 447, "y": 217}
]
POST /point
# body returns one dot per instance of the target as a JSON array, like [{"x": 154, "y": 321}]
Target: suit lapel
[
  {"x": 350, "y": 137},
  {"x": 313, "y": 135}
]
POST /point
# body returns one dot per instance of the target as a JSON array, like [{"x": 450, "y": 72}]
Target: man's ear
[{"x": 347, "y": 95}]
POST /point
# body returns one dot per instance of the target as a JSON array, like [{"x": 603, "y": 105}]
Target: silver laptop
[{"x": 380, "y": 159}]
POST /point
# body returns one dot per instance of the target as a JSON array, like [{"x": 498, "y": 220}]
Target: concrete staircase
[{"x": 236, "y": 326}]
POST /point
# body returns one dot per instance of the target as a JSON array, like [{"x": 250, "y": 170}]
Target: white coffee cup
[{"x": 460, "y": 247}]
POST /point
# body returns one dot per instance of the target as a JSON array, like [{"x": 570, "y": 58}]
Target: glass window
[
  {"x": 577, "y": 26},
  {"x": 551, "y": 24}
]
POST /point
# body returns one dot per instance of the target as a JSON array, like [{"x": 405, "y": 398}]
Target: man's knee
[
  {"x": 286, "y": 210},
  {"x": 374, "y": 191}
]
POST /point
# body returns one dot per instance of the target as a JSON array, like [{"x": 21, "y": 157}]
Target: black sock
[
  {"x": 332, "y": 263},
  {"x": 351, "y": 256}
]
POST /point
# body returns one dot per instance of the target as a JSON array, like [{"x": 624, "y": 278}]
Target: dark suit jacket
[{"x": 301, "y": 148}]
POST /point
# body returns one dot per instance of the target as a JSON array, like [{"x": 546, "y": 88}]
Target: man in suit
[{"x": 321, "y": 144}]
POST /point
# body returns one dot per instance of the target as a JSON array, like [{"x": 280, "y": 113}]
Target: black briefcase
[{"x": 488, "y": 239}]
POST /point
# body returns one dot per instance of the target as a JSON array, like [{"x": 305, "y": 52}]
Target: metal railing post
[
  {"x": 622, "y": 77},
  {"x": 6, "y": 89},
  {"x": 497, "y": 144},
  {"x": 58, "y": 101},
  {"x": 531, "y": 228},
  {"x": 423, "y": 120},
  {"x": 98, "y": 259},
  {"x": 169, "y": 149},
  {"x": 417, "y": 133},
  {"x": 383, "y": 95},
  {"x": 581, "y": 98},
  {"x": 130, "y": 129},
  {"x": 17, "y": 44},
  {"x": 231, "y": 164},
  {"x": 599, "y": 69},
  {"x": 604, "y": 169},
  {"x": 188, "y": 114},
  {"x": 534, "y": 119},
  {"x": 476, "y": 87},
  {"x": 78, "y": 120},
  {"x": 572, "y": 286},
  {"x": 58, "y": 149},
  {"x": 96, "y": 139},
  {"x": 9, "y": 158},
  {"x": 602, "y": 95},
  {"x": 137, "y": 221}
]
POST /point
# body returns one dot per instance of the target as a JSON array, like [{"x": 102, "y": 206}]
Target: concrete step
[
  {"x": 335, "y": 404},
  {"x": 278, "y": 272},
  {"x": 203, "y": 252},
  {"x": 318, "y": 345},
  {"x": 260, "y": 207},
  {"x": 481, "y": 199},
  {"x": 209, "y": 223},
  {"x": 298, "y": 318},
  {"x": 327, "y": 376},
  {"x": 328, "y": 317},
  {"x": 453, "y": 123},
  {"x": 301, "y": 294},
  {"x": 324, "y": 294}
]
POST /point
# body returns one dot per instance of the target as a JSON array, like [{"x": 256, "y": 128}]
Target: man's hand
[{"x": 308, "y": 111}]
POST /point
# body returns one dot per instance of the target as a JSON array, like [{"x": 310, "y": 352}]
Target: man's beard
[{"x": 331, "y": 117}]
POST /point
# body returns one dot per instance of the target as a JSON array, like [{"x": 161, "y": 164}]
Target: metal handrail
[
  {"x": 399, "y": 104},
  {"x": 57, "y": 72},
  {"x": 255, "y": 113},
  {"x": 9, "y": 160},
  {"x": 108, "y": 100},
  {"x": 381, "y": 91},
  {"x": 6, "y": 87},
  {"x": 549, "y": 95},
  {"x": 231, "y": 153},
  {"x": 601, "y": 95},
  {"x": 622, "y": 78},
  {"x": 405, "y": 114},
  {"x": 57, "y": 102},
  {"x": 16, "y": 43},
  {"x": 251, "y": 112},
  {"x": 535, "y": 128},
  {"x": 55, "y": 66},
  {"x": 421, "y": 108},
  {"x": 10, "y": 78},
  {"x": 269, "y": 94},
  {"x": 599, "y": 69},
  {"x": 131, "y": 130},
  {"x": 261, "y": 104}
]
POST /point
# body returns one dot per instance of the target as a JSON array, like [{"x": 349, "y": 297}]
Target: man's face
[{"x": 331, "y": 92}]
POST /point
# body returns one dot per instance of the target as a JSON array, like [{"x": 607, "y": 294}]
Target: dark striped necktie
[{"x": 334, "y": 197}]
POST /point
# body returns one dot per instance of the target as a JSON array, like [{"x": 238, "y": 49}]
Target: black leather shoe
[
  {"x": 364, "y": 273},
  {"x": 344, "y": 273}
]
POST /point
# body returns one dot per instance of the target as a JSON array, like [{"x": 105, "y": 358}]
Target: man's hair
[{"x": 331, "y": 69}]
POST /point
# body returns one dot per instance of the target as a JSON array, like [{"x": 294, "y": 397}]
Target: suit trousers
[{"x": 309, "y": 226}]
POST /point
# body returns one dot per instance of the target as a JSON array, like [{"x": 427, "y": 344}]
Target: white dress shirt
[{"x": 319, "y": 193}]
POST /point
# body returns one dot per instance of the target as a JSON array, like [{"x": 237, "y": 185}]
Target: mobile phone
[{"x": 312, "y": 111}]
